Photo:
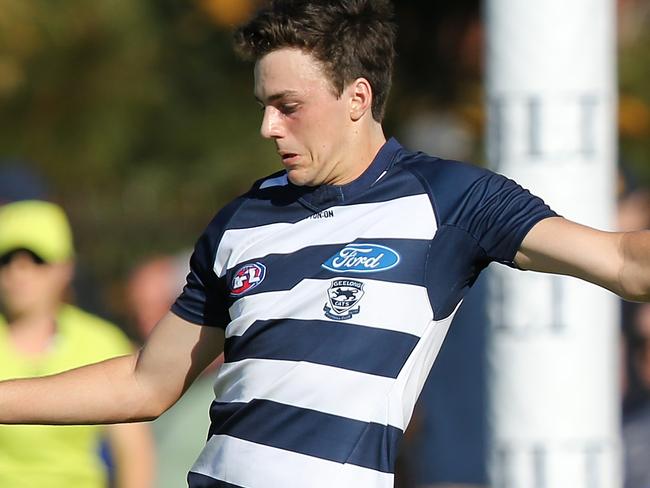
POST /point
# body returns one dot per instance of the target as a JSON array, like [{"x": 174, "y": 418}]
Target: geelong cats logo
[
  {"x": 342, "y": 296},
  {"x": 246, "y": 278}
]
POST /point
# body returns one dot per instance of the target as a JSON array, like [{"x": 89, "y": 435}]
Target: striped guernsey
[{"x": 335, "y": 301}]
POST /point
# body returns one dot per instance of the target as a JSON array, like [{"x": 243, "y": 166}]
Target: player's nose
[{"x": 271, "y": 126}]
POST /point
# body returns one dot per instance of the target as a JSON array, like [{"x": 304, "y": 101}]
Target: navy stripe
[
  {"x": 341, "y": 345},
  {"x": 281, "y": 204},
  {"x": 284, "y": 271},
  {"x": 271, "y": 206},
  {"x": 196, "y": 480},
  {"x": 309, "y": 432},
  {"x": 459, "y": 261},
  {"x": 397, "y": 183}
]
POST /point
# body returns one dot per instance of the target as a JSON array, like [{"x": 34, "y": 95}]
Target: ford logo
[{"x": 362, "y": 258}]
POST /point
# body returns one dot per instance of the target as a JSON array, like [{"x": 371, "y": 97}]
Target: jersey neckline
[{"x": 324, "y": 196}]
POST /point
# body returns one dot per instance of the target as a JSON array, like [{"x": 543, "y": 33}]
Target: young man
[
  {"x": 41, "y": 335},
  {"x": 334, "y": 280}
]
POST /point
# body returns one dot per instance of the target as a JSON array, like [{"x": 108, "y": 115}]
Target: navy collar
[{"x": 321, "y": 197}]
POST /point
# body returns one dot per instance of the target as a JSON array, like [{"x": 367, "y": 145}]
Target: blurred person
[
  {"x": 41, "y": 335},
  {"x": 633, "y": 214},
  {"x": 330, "y": 284},
  {"x": 641, "y": 353},
  {"x": 152, "y": 287},
  {"x": 21, "y": 180},
  {"x": 451, "y": 448},
  {"x": 636, "y": 422},
  {"x": 445, "y": 445},
  {"x": 633, "y": 211}
]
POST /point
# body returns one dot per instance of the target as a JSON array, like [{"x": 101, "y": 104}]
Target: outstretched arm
[
  {"x": 618, "y": 261},
  {"x": 130, "y": 388}
]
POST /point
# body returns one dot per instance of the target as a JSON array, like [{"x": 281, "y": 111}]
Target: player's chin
[{"x": 299, "y": 177}]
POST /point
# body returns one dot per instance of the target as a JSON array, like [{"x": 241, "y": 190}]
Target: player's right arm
[
  {"x": 618, "y": 261},
  {"x": 130, "y": 388}
]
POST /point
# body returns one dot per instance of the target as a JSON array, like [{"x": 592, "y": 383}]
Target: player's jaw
[
  {"x": 299, "y": 168},
  {"x": 304, "y": 168}
]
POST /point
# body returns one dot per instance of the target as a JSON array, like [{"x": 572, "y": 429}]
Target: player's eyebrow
[{"x": 277, "y": 96}]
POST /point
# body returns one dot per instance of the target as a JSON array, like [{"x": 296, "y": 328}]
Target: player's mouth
[{"x": 289, "y": 159}]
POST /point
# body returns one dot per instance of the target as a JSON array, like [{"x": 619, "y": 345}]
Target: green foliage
[
  {"x": 138, "y": 113},
  {"x": 634, "y": 82}
]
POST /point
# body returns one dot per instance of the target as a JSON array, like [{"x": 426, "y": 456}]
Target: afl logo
[{"x": 246, "y": 278}]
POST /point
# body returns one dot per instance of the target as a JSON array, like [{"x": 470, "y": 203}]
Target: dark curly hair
[{"x": 350, "y": 38}]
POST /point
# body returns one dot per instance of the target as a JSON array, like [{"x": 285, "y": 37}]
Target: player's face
[
  {"x": 308, "y": 122},
  {"x": 29, "y": 286}
]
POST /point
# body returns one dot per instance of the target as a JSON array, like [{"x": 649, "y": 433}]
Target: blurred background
[{"x": 140, "y": 121}]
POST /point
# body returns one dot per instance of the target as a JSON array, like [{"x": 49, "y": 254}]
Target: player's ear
[{"x": 360, "y": 93}]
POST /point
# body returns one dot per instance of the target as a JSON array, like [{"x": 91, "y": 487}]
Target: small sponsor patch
[
  {"x": 362, "y": 258},
  {"x": 325, "y": 214},
  {"x": 343, "y": 295},
  {"x": 246, "y": 278}
]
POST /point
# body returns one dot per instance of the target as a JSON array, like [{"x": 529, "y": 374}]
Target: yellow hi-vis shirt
[{"x": 57, "y": 456}]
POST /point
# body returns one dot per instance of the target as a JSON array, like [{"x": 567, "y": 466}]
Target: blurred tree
[
  {"x": 137, "y": 113},
  {"x": 634, "y": 83},
  {"x": 228, "y": 12}
]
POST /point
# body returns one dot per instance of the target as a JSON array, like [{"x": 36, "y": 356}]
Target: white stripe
[
  {"x": 402, "y": 218},
  {"x": 381, "y": 176},
  {"x": 309, "y": 386},
  {"x": 277, "y": 181},
  {"x": 415, "y": 371},
  {"x": 252, "y": 465},
  {"x": 377, "y": 308}
]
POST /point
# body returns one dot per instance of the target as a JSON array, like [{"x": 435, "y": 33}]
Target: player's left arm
[
  {"x": 132, "y": 448},
  {"x": 618, "y": 261}
]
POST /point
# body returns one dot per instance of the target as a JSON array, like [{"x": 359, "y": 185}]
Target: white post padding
[{"x": 553, "y": 348}]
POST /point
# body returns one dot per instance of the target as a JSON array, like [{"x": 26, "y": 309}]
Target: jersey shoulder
[
  {"x": 452, "y": 185},
  {"x": 494, "y": 210},
  {"x": 271, "y": 191}
]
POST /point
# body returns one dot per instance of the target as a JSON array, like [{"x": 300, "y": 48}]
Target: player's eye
[{"x": 288, "y": 108}]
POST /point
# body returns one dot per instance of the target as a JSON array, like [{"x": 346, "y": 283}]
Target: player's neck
[{"x": 364, "y": 146}]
